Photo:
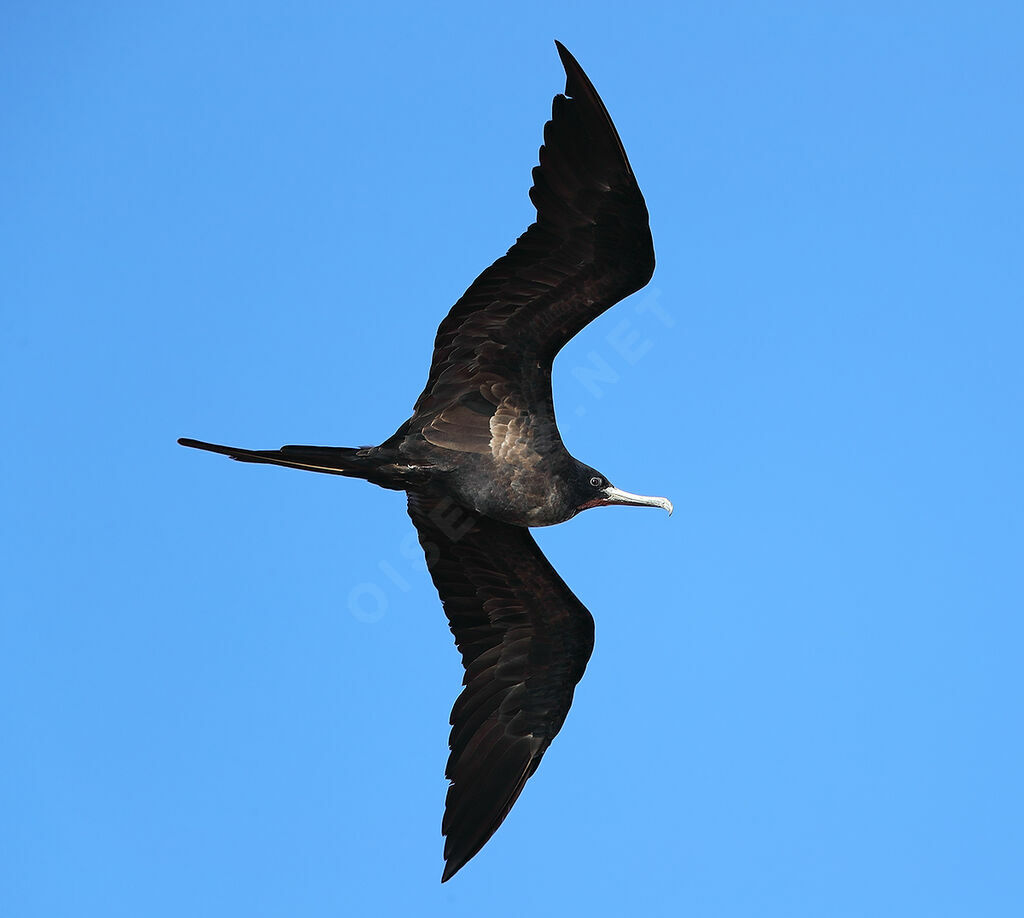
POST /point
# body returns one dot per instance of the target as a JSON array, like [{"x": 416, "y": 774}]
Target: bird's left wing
[{"x": 525, "y": 641}]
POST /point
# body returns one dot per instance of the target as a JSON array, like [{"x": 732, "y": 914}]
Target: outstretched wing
[
  {"x": 590, "y": 247},
  {"x": 525, "y": 641}
]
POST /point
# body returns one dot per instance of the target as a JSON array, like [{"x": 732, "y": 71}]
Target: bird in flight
[{"x": 481, "y": 461}]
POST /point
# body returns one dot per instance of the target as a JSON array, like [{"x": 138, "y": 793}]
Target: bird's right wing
[
  {"x": 525, "y": 641},
  {"x": 589, "y": 248}
]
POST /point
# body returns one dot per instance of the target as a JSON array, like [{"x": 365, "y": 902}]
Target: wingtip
[
  {"x": 580, "y": 89},
  {"x": 571, "y": 65},
  {"x": 454, "y": 860}
]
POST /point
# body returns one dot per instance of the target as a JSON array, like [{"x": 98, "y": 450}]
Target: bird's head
[{"x": 592, "y": 489}]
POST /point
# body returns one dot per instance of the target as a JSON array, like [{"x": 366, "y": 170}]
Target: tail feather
[{"x": 365, "y": 462}]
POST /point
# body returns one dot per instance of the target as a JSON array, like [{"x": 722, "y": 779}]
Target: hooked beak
[{"x": 615, "y": 496}]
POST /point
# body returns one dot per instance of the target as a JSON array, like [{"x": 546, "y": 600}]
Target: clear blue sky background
[{"x": 225, "y": 689}]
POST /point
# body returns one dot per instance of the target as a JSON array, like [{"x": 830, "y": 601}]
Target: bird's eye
[{"x": 596, "y": 482}]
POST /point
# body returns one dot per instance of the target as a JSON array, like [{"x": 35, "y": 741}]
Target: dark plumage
[{"x": 481, "y": 459}]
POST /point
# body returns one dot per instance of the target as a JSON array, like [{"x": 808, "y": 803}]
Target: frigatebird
[{"x": 481, "y": 460}]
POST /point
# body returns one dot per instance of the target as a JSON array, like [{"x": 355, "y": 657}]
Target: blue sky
[{"x": 226, "y": 688}]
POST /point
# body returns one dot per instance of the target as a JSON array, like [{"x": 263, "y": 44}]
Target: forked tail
[{"x": 365, "y": 462}]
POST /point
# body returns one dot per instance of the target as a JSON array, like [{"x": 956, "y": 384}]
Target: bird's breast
[{"x": 521, "y": 494}]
